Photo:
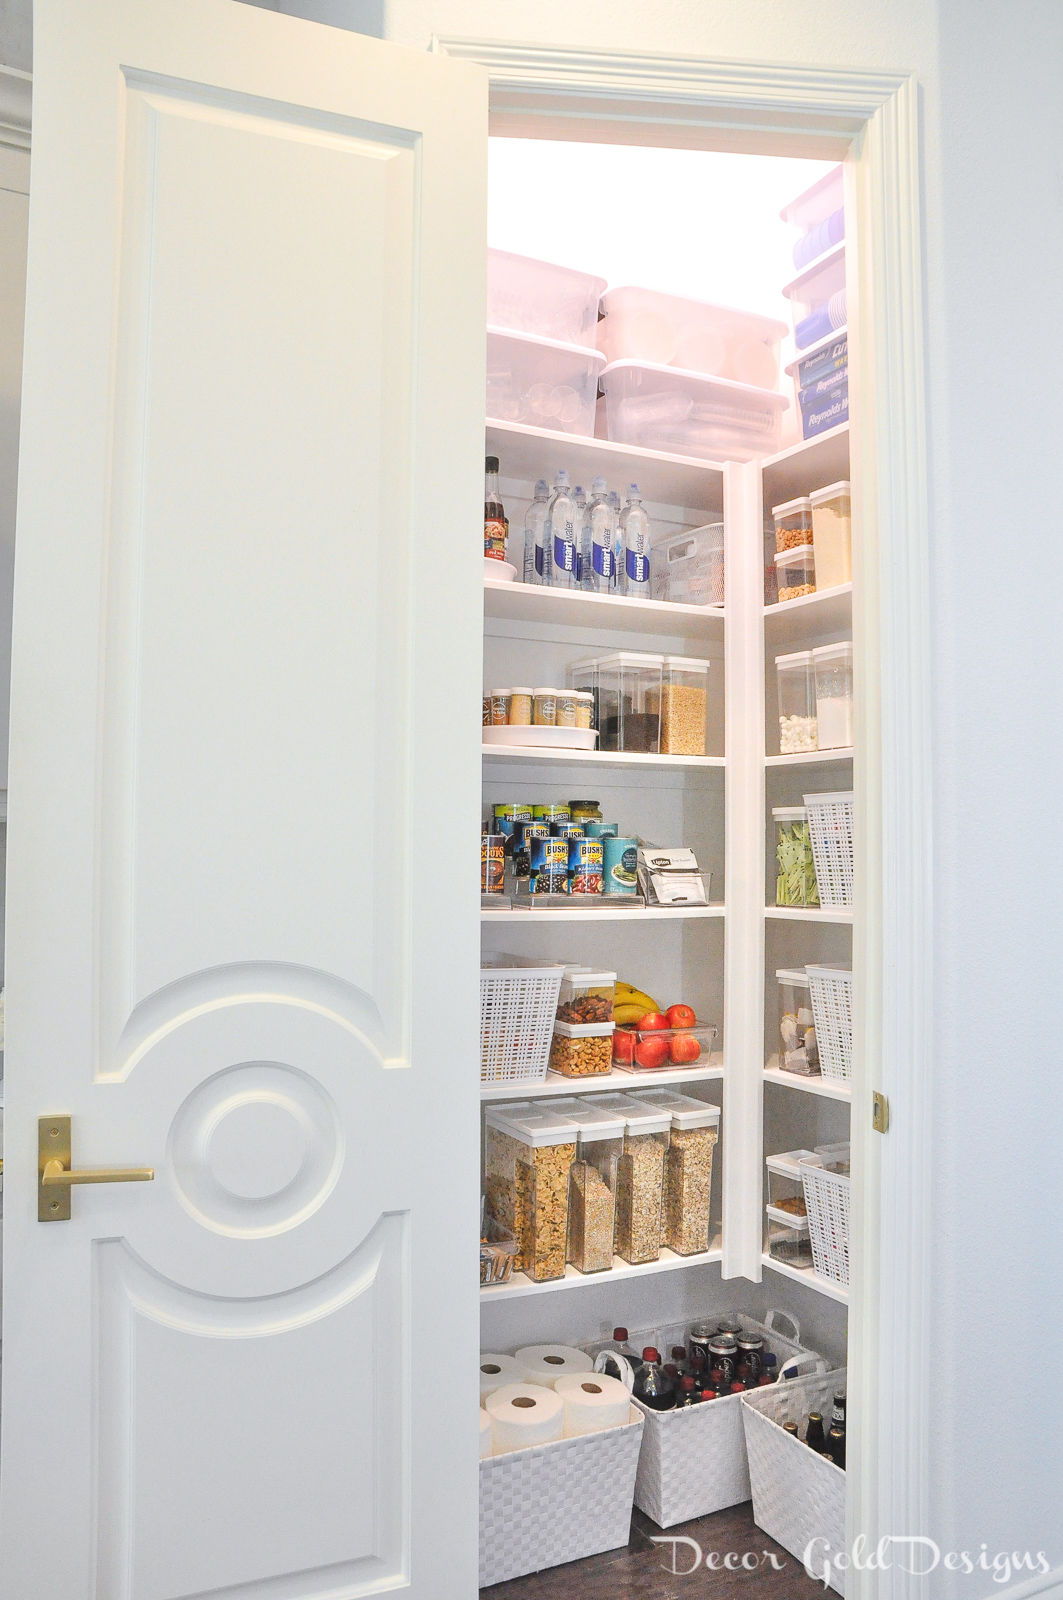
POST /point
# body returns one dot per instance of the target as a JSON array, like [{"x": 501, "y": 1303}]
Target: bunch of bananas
[{"x": 632, "y": 1004}]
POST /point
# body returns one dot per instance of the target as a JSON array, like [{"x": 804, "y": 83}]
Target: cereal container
[
  {"x": 832, "y": 535},
  {"x": 640, "y": 1177},
  {"x": 530, "y": 1149},
  {"x": 586, "y": 995},
  {"x": 797, "y": 1036},
  {"x": 629, "y": 701},
  {"x": 581, "y": 1049},
  {"x": 797, "y": 702},
  {"x": 795, "y": 572},
  {"x": 687, "y": 1168},
  {"x": 684, "y": 706},
  {"x": 832, "y": 665},
  {"x": 592, "y": 1185},
  {"x": 793, "y": 524},
  {"x": 795, "y": 879}
]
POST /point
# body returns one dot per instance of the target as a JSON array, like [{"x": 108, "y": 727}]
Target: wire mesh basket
[
  {"x": 830, "y": 823},
  {"x": 831, "y": 989},
  {"x": 518, "y": 1002}
]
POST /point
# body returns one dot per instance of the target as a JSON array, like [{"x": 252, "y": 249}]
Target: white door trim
[{"x": 873, "y": 120}]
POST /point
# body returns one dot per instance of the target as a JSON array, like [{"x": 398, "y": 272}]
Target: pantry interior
[{"x": 624, "y": 215}]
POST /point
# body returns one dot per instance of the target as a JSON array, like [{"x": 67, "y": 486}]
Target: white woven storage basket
[
  {"x": 830, "y": 823},
  {"x": 557, "y": 1502},
  {"x": 517, "y": 1008},
  {"x": 693, "y": 1459},
  {"x": 832, "y": 1012},
  {"x": 827, "y": 1204},
  {"x": 798, "y": 1497}
]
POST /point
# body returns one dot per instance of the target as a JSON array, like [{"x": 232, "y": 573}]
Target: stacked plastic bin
[
  {"x": 817, "y": 299},
  {"x": 542, "y": 367}
]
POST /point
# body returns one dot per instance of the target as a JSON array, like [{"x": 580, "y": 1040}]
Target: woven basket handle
[
  {"x": 803, "y": 1367},
  {"x": 771, "y": 1323}
]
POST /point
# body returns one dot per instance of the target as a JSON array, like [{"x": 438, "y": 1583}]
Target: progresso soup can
[
  {"x": 552, "y": 813},
  {"x": 508, "y": 815},
  {"x": 549, "y": 866},
  {"x": 584, "y": 866}
]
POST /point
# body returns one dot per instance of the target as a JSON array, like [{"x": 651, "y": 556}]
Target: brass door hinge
[{"x": 880, "y": 1112}]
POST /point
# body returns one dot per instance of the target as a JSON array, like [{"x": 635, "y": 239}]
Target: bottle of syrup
[{"x": 496, "y": 527}]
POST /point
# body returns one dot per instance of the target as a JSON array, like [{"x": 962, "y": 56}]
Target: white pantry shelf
[
  {"x": 790, "y": 624},
  {"x": 531, "y": 453},
  {"x": 554, "y": 1083},
  {"x": 519, "y": 1285},
  {"x": 809, "y": 914},
  {"x": 828, "y": 1088},
  {"x": 805, "y": 1275},
  {"x": 577, "y": 913},
  {"x": 594, "y": 758},
  {"x": 810, "y": 464},
  {"x": 574, "y": 608},
  {"x": 808, "y": 758}
]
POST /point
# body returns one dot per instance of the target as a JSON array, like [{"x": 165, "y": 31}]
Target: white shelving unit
[
  {"x": 829, "y": 1088},
  {"x": 840, "y": 914},
  {"x": 810, "y": 1279},
  {"x": 520, "y": 1285},
  {"x": 595, "y": 758},
  {"x": 554, "y": 1083},
  {"x": 808, "y": 758},
  {"x": 562, "y": 914}
]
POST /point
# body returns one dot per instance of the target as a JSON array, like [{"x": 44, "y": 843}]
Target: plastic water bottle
[
  {"x": 618, "y": 543},
  {"x": 579, "y": 497},
  {"x": 564, "y": 566},
  {"x": 599, "y": 560},
  {"x": 635, "y": 528},
  {"x": 535, "y": 519}
]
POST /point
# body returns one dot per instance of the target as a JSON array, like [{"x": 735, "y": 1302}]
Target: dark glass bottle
[
  {"x": 495, "y": 525},
  {"x": 837, "y": 1416},
  {"x": 769, "y": 1369},
  {"x": 790, "y": 1427},
  {"x": 652, "y": 1385},
  {"x": 836, "y": 1446},
  {"x": 815, "y": 1438}
]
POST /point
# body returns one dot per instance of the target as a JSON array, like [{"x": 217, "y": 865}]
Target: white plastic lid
[
  {"x": 797, "y": 976},
  {"x": 628, "y": 658},
  {"x": 638, "y": 1118},
  {"x": 588, "y": 353},
  {"x": 685, "y": 1110},
  {"x": 800, "y": 553},
  {"x": 789, "y": 813},
  {"x": 769, "y": 399},
  {"x": 787, "y": 1219},
  {"x": 788, "y": 1163},
  {"x": 520, "y": 689},
  {"x": 547, "y": 690},
  {"x": 833, "y": 652},
  {"x": 790, "y": 508},
  {"x": 800, "y": 658},
  {"x": 581, "y": 694},
  {"x": 583, "y": 1030},
  {"x": 768, "y": 327},
  {"x": 532, "y": 1124},
  {"x": 588, "y": 978},
  {"x": 686, "y": 664},
  {"x": 594, "y": 1121},
  {"x": 833, "y": 491}
]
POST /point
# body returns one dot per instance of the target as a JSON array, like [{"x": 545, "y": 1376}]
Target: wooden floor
[{"x": 643, "y": 1571}]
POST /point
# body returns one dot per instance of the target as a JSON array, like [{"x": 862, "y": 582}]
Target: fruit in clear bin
[
  {"x": 628, "y": 1012},
  {"x": 627, "y": 994},
  {"x": 623, "y": 1046},
  {"x": 651, "y": 1051},
  {"x": 681, "y": 1017},
  {"x": 684, "y": 1048},
  {"x": 652, "y": 1021}
]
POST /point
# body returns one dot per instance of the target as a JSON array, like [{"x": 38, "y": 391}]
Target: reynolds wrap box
[
  {"x": 830, "y": 359},
  {"x": 824, "y": 405}
]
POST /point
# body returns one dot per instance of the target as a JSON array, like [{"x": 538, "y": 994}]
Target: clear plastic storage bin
[
  {"x": 832, "y": 534},
  {"x": 789, "y": 1239},
  {"x": 541, "y": 382},
  {"x": 797, "y": 702},
  {"x": 785, "y": 1185},
  {"x": 798, "y": 1051},
  {"x": 795, "y": 572},
  {"x": 657, "y": 1049},
  {"x": 833, "y": 668},
  {"x": 587, "y": 995},
  {"x": 582, "y": 1050},
  {"x": 817, "y": 298},
  {"x": 688, "y": 568},
  {"x": 537, "y": 297},
  {"x": 643, "y": 325},
  {"x": 640, "y": 1177},
  {"x": 684, "y": 706},
  {"x": 629, "y": 697},
  {"x": 711, "y": 419},
  {"x": 793, "y": 524},
  {"x": 528, "y": 1152},
  {"x": 795, "y": 871},
  {"x": 687, "y": 1169},
  {"x": 592, "y": 1185}
]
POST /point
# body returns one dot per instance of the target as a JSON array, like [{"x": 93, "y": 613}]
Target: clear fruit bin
[
  {"x": 712, "y": 419},
  {"x": 541, "y": 382},
  {"x": 538, "y": 297},
  {"x": 660, "y": 1049},
  {"x": 718, "y": 341}
]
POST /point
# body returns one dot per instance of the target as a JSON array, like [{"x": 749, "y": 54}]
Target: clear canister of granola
[
  {"x": 786, "y": 1192},
  {"x": 640, "y": 1178},
  {"x": 684, "y": 706},
  {"x": 797, "y": 1035},
  {"x": 687, "y": 1197},
  {"x": 796, "y": 572},
  {"x": 587, "y": 995},
  {"x": 592, "y": 1185},
  {"x": 793, "y": 523},
  {"x": 545, "y": 1147}
]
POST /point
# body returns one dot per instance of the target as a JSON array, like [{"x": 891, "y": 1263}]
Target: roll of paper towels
[
  {"x": 545, "y": 1363},
  {"x": 496, "y": 1371},
  {"x": 591, "y": 1402},
  {"x": 524, "y": 1414},
  {"x": 485, "y": 1434}
]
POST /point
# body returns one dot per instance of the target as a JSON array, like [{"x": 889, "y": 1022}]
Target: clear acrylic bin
[
  {"x": 798, "y": 1051},
  {"x": 683, "y": 705},
  {"x": 537, "y": 297},
  {"x": 795, "y": 572},
  {"x": 688, "y": 568},
  {"x": 832, "y": 534},
  {"x": 661, "y": 408},
  {"x": 797, "y": 702},
  {"x": 660, "y": 1049},
  {"x": 587, "y": 995},
  {"x": 541, "y": 382},
  {"x": 817, "y": 298},
  {"x": 529, "y": 1150},
  {"x": 687, "y": 1169},
  {"x": 795, "y": 876},
  {"x": 592, "y": 1185},
  {"x": 789, "y": 1239},
  {"x": 793, "y": 524},
  {"x": 629, "y": 696},
  {"x": 582, "y": 1050},
  {"x": 785, "y": 1186},
  {"x": 640, "y": 1177},
  {"x": 643, "y": 325},
  {"x": 833, "y": 668}
]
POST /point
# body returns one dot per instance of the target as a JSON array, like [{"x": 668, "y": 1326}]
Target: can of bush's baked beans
[
  {"x": 584, "y": 866},
  {"x": 548, "y": 860}
]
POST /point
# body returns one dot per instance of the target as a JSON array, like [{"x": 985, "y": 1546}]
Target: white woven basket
[
  {"x": 827, "y": 1204},
  {"x": 693, "y": 1459},
  {"x": 830, "y": 824},
  {"x": 557, "y": 1502},
  {"x": 798, "y": 1496},
  {"x": 517, "y": 1009},
  {"x": 832, "y": 1012}
]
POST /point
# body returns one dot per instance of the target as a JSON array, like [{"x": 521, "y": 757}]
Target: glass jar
[
  {"x": 796, "y": 573},
  {"x": 629, "y": 700},
  {"x": 519, "y": 709},
  {"x": 684, "y": 706},
  {"x": 797, "y": 702},
  {"x": 567, "y": 708},
  {"x": 544, "y": 708},
  {"x": 832, "y": 529},
  {"x": 793, "y": 523},
  {"x": 797, "y": 1035},
  {"x": 499, "y": 707},
  {"x": 795, "y": 871},
  {"x": 584, "y": 708},
  {"x": 833, "y": 668},
  {"x": 585, "y": 811}
]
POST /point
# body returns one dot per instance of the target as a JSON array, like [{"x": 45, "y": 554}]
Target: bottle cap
[
  {"x": 709, "y": 1394},
  {"x": 839, "y": 1399},
  {"x": 491, "y": 463},
  {"x": 599, "y": 485},
  {"x": 738, "y": 1388},
  {"x": 671, "y": 1369},
  {"x": 633, "y": 492},
  {"x": 541, "y": 488},
  {"x": 815, "y": 1416},
  {"x": 562, "y": 476},
  {"x": 678, "y": 1353},
  {"x": 650, "y": 1354},
  {"x": 687, "y": 1384},
  {"x": 620, "y": 1335}
]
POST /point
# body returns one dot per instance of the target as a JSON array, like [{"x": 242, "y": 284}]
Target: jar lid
[
  {"x": 520, "y": 690},
  {"x": 789, "y": 814},
  {"x": 547, "y": 690},
  {"x": 686, "y": 664},
  {"x": 797, "y": 658},
  {"x": 801, "y": 552},
  {"x": 833, "y": 652},
  {"x": 833, "y": 491},
  {"x": 790, "y": 507}
]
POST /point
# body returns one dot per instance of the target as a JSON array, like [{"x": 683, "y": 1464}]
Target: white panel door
[{"x": 243, "y": 924}]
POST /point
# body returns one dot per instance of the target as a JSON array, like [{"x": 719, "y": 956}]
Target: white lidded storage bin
[
  {"x": 830, "y": 824},
  {"x": 826, "y": 1184},
  {"x": 518, "y": 1001},
  {"x": 684, "y": 706},
  {"x": 832, "y": 1010},
  {"x": 541, "y": 382},
  {"x": 688, "y": 568},
  {"x": 537, "y": 297},
  {"x": 643, "y": 325},
  {"x": 789, "y": 1240},
  {"x": 832, "y": 666},
  {"x": 686, "y": 1207},
  {"x": 817, "y": 298},
  {"x": 663, "y": 408},
  {"x": 557, "y": 1502},
  {"x": 797, "y": 702},
  {"x": 832, "y": 534},
  {"x": 798, "y": 1496},
  {"x": 640, "y": 1176},
  {"x": 529, "y": 1147}
]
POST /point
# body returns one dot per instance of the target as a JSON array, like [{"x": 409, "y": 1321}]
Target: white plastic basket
[
  {"x": 798, "y": 1496},
  {"x": 830, "y": 823},
  {"x": 832, "y": 1012},
  {"x": 518, "y": 1001},
  {"x": 827, "y": 1204},
  {"x": 557, "y": 1502}
]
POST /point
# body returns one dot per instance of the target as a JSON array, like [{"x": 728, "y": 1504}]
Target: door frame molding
[{"x": 871, "y": 121}]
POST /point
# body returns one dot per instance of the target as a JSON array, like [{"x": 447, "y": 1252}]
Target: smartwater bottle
[
  {"x": 635, "y": 525},
  {"x": 599, "y": 565},
  {"x": 535, "y": 520},
  {"x": 618, "y": 544},
  {"x": 564, "y": 568},
  {"x": 579, "y": 498}
]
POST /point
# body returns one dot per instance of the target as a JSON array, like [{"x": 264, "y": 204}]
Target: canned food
[
  {"x": 523, "y": 834},
  {"x": 585, "y": 866},
  {"x": 751, "y": 1349},
  {"x": 508, "y": 815},
  {"x": 551, "y": 813},
  {"x": 723, "y": 1353},
  {"x": 620, "y": 864},
  {"x": 567, "y": 830},
  {"x": 548, "y": 860},
  {"x": 492, "y": 863}
]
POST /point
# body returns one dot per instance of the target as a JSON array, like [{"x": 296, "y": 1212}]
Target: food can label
[
  {"x": 585, "y": 866},
  {"x": 552, "y": 813},
  {"x": 492, "y": 863},
  {"x": 621, "y": 865},
  {"x": 549, "y": 866},
  {"x": 515, "y": 813},
  {"x": 637, "y": 566}
]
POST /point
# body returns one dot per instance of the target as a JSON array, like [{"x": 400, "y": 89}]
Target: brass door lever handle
[{"x": 56, "y": 1177}]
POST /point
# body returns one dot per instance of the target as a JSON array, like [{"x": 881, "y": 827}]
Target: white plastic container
[
  {"x": 795, "y": 873},
  {"x": 642, "y": 325},
  {"x": 832, "y": 534},
  {"x": 541, "y": 382},
  {"x": 797, "y": 702},
  {"x": 686, "y": 1219},
  {"x": 789, "y": 1240},
  {"x": 688, "y": 568},
  {"x": 537, "y": 297},
  {"x": 528, "y": 1150},
  {"x": 827, "y": 1183},
  {"x": 628, "y": 685},
  {"x": 712, "y": 419},
  {"x": 832, "y": 665},
  {"x": 786, "y": 1190},
  {"x": 795, "y": 572},
  {"x": 640, "y": 1176},
  {"x": 817, "y": 298},
  {"x": 793, "y": 523},
  {"x": 592, "y": 1187}
]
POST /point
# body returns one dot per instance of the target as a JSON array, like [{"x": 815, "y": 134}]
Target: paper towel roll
[
  {"x": 496, "y": 1371},
  {"x": 545, "y": 1363},
  {"x": 591, "y": 1402},
  {"x": 524, "y": 1414},
  {"x": 485, "y": 1434}
]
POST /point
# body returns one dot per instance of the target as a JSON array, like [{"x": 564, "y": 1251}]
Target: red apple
[
  {"x": 651, "y": 1052},
  {"x": 680, "y": 1017},
  {"x": 652, "y": 1019},
  {"x": 623, "y": 1046},
  {"x": 684, "y": 1048}
]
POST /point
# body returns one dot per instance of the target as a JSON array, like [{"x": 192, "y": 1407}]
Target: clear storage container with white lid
[
  {"x": 688, "y": 568},
  {"x": 712, "y": 419},
  {"x": 718, "y": 341},
  {"x": 785, "y": 1188},
  {"x": 684, "y": 706},
  {"x": 789, "y": 1239},
  {"x": 628, "y": 684},
  {"x": 798, "y": 1051},
  {"x": 640, "y": 1177},
  {"x": 582, "y": 1049},
  {"x": 833, "y": 668},
  {"x": 797, "y": 702},
  {"x": 587, "y": 995},
  {"x": 795, "y": 572},
  {"x": 817, "y": 297},
  {"x": 529, "y": 1149},
  {"x": 795, "y": 870},
  {"x": 687, "y": 1196},
  {"x": 537, "y": 297},
  {"x": 793, "y": 523},
  {"x": 592, "y": 1183},
  {"x": 832, "y": 534},
  {"x": 541, "y": 382}
]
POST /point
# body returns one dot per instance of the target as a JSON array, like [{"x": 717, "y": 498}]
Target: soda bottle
[
  {"x": 688, "y": 1394},
  {"x": 652, "y": 1386},
  {"x": 563, "y": 552},
  {"x": 495, "y": 525},
  {"x": 535, "y": 520},
  {"x": 635, "y": 526}
]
